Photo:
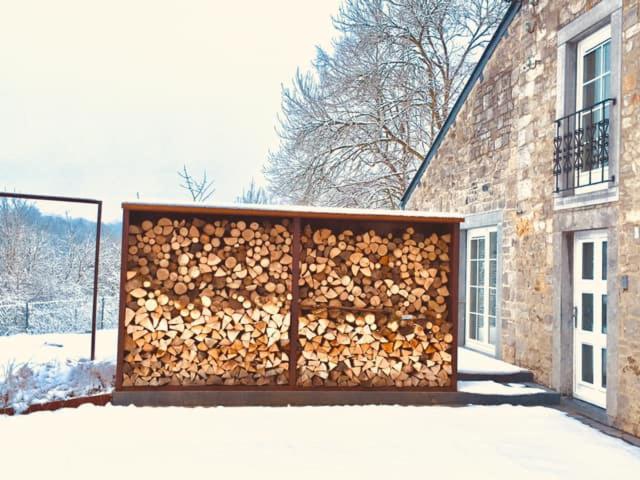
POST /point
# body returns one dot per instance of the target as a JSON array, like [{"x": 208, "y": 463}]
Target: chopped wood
[{"x": 199, "y": 312}]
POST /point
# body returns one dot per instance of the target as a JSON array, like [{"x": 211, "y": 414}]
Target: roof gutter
[{"x": 500, "y": 32}]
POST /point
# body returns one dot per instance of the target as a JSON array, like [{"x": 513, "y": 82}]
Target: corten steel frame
[
  {"x": 386, "y": 222},
  {"x": 87, "y": 201}
]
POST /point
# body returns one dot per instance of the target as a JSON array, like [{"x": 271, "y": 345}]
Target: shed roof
[{"x": 295, "y": 210}]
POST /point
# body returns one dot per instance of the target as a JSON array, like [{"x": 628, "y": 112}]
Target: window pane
[
  {"x": 604, "y": 260},
  {"x": 493, "y": 267},
  {"x": 606, "y": 87},
  {"x": 604, "y": 314},
  {"x": 587, "y": 312},
  {"x": 603, "y": 362},
  {"x": 493, "y": 331},
  {"x": 587, "y": 363},
  {"x": 480, "y": 300},
  {"x": 589, "y": 95},
  {"x": 606, "y": 57},
  {"x": 481, "y": 248},
  {"x": 590, "y": 66},
  {"x": 474, "y": 248},
  {"x": 473, "y": 326},
  {"x": 492, "y": 302},
  {"x": 472, "y": 300},
  {"x": 482, "y": 336},
  {"x": 587, "y": 260},
  {"x": 493, "y": 245}
]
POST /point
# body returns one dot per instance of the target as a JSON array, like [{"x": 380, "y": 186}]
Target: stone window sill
[{"x": 590, "y": 199}]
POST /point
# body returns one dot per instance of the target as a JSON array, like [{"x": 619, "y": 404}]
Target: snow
[
  {"x": 42, "y": 348},
  {"x": 474, "y": 362},
  {"x": 48, "y": 367},
  {"x": 26, "y": 384},
  {"x": 372, "y": 442},
  {"x": 302, "y": 209},
  {"x": 494, "y": 388}
]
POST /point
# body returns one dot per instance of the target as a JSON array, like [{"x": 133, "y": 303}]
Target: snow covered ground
[
  {"x": 474, "y": 362},
  {"x": 44, "y": 368},
  {"x": 494, "y": 388},
  {"x": 501, "y": 442},
  {"x": 23, "y": 348}
]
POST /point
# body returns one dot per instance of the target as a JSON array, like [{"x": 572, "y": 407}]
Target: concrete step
[
  {"x": 474, "y": 366},
  {"x": 523, "y": 376}
]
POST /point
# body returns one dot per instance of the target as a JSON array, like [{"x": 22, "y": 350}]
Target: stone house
[{"x": 541, "y": 154}]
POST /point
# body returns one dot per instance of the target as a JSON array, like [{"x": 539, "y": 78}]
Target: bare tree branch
[
  {"x": 199, "y": 189},
  {"x": 354, "y": 130}
]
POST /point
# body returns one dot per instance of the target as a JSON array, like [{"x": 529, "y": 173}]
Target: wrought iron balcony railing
[{"x": 581, "y": 148}]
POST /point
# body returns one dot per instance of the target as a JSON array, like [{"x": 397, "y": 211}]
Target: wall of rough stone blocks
[
  {"x": 498, "y": 156},
  {"x": 629, "y": 219}
]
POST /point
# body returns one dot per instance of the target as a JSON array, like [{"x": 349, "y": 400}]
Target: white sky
[{"x": 104, "y": 99}]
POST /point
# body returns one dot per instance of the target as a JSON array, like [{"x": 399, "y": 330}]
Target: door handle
[{"x": 574, "y": 315}]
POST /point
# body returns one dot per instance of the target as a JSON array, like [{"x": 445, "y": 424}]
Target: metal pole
[
  {"x": 26, "y": 317},
  {"x": 95, "y": 283},
  {"x": 102, "y": 313}
]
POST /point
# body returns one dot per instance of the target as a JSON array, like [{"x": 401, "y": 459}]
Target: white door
[
  {"x": 590, "y": 317},
  {"x": 482, "y": 270}
]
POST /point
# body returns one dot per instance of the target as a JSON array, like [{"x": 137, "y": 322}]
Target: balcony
[{"x": 581, "y": 150}]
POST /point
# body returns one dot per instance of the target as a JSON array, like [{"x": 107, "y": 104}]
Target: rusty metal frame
[
  {"x": 86, "y": 201},
  {"x": 445, "y": 224}
]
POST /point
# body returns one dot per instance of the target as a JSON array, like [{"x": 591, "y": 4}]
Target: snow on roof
[{"x": 301, "y": 210}]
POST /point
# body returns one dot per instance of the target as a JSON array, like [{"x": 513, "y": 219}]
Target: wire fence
[{"x": 57, "y": 316}]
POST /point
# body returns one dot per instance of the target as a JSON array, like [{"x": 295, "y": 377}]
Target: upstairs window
[
  {"x": 582, "y": 143},
  {"x": 594, "y": 89}
]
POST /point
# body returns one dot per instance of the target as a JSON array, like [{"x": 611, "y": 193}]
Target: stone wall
[
  {"x": 498, "y": 156},
  {"x": 629, "y": 219}
]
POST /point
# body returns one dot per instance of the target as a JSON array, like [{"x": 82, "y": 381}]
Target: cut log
[{"x": 208, "y": 304}]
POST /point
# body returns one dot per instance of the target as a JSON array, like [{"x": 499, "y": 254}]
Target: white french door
[
  {"x": 482, "y": 271},
  {"x": 590, "y": 317}
]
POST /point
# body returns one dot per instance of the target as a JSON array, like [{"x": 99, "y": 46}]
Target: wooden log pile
[
  {"x": 207, "y": 303},
  {"x": 374, "y": 309}
]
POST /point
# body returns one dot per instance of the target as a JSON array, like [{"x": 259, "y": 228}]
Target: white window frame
[
  {"x": 584, "y": 46},
  {"x": 484, "y": 347}
]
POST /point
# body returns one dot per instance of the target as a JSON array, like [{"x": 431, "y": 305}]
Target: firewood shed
[{"x": 252, "y": 305}]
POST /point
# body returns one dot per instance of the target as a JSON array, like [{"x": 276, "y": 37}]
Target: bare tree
[
  {"x": 199, "y": 189},
  {"x": 254, "y": 194},
  {"x": 354, "y": 130}
]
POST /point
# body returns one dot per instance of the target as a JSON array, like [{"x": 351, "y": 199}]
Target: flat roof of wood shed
[{"x": 296, "y": 211}]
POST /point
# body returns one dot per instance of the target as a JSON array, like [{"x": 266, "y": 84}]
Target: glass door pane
[
  {"x": 482, "y": 266},
  {"x": 493, "y": 280},
  {"x": 477, "y": 289}
]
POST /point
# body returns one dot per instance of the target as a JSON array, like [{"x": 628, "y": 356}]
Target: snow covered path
[{"x": 310, "y": 443}]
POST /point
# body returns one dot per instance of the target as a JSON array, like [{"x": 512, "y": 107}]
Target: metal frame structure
[
  {"x": 86, "y": 201},
  {"x": 283, "y": 394}
]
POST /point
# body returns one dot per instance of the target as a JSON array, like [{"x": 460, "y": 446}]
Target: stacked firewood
[
  {"x": 207, "y": 303},
  {"x": 374, "y": 309}
]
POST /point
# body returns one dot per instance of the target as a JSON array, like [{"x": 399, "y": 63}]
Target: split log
[
  {"x": 385, "y": 298},
  {"x": 207, "y": 303},
  {"x": 371, "y": 350}
]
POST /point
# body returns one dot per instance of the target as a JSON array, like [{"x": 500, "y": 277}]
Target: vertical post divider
[
  {"x": 123, "y": 279},
  {"x": 295, "y": 302},
  {"x": 454, "y": 300}
]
